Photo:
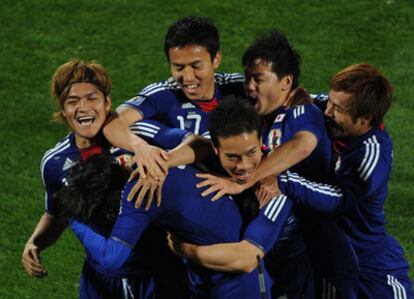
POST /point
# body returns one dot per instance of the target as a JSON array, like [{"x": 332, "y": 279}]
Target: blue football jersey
[
  {"x": 192, "y": 218},
  {"x": 166, "y": 103},
  {"x": 57, "y": 161},
  {"x": 362, "y": 170},
  {"x": 289, "y": 121}
]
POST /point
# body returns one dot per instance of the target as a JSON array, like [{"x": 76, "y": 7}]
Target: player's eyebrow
[{"x": 75, "y": 96}]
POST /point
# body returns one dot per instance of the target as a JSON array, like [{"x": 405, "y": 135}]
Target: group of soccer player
[{"x": 262, "y": 190}]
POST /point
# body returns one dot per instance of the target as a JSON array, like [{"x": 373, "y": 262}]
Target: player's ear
[
  {"x": 108, "y": 104},
  {"x": 287, "y": 82},
  {"x": 217, "y": 60}
]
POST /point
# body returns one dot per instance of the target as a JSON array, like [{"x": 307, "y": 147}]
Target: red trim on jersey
[
  {"x": 381, "y": 126},
  {"x": 207, "y": 106},
  {"x": 336, "y": 145},
  {"x": 86, "y": 153}
]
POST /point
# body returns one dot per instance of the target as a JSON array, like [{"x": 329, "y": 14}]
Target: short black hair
[
  {"x": 192, "y": 30},
  {"x": 274, "y": 48},
  {"x": 234, "y": 116},
  {"x": 93, "y": 191}
]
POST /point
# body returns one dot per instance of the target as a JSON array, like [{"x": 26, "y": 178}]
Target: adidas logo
[
  {"x": 68, "y": 164},
  {"x": 187, "y": 106}
]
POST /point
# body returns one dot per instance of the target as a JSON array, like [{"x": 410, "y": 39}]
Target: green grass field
[{"x": 127, "y": 38}]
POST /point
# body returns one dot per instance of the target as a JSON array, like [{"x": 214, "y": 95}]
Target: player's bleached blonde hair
[{"x": 77, "y": 71}]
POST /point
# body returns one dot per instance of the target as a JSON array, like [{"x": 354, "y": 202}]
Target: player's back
[{"x": 198, "y": 220}]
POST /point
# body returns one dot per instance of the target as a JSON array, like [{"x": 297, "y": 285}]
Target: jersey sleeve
[
  {"x": 159, "y": 134},
  {"x": 308, "y": 118},
  {"x": 114, "y": 251},
  {"x": 150, "y": 100},
  {"x": 50, "y": 185},
  {"x": 320, "y": 197},
  {"x": 264, "y": 230}
]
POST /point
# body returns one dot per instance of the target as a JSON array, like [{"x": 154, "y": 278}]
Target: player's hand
[
  {"x": 152, "y": 169},
  {"x": 179, "y": 247},
  {"x": 266, "y": 190},
  {"x": 150, "y": 160},
  {"x": 217, "y": 184},
  {"x": 31, "y": 261},
  {"x": 148, "y": 188}
]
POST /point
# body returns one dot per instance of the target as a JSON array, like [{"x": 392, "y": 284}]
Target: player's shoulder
[
  {"x": 373, "y": 154},
  {"x": 158, "y": 87},
  {"x": 303, "y": 110},
  {"x": 59, "y": 157},
  {"x": 228, "y": 78},
  {"x": 61, "y": 147}
]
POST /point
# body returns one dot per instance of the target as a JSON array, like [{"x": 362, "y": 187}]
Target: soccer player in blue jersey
[
  {"x": 197, "y": 220},
  {"x": 82, "y": 91},
  {"x": 192, "y": 47},
  {"x": 295, "y": 133},
  {"x": 359, "y": 98}
]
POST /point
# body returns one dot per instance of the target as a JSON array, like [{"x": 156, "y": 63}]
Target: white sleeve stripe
[
  {"x": 270, "y": 205},
  {"x": 371, "y": 157},
  {"x": 373, "y": 164},
  {"x": 318, "y": 186},
  {"x": 146, "y": 125},
  {"x": 274, "y": 207},
  {"x": 143, "y": 128},
  {"x": 280, "y": 207},
  {"x": 53, "y": 150},
  {"x": 144, "y": 134},
  {"x": 397, "y": 287},
  {"x": 335, "y": 192},
  {"x": 42, "y": 168}
]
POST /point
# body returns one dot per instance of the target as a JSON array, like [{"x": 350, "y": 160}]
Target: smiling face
[
  {"x": 341, "y": 123},
  {"x": 85, "y": 110},
  {"x": 193, "y": 69},
  {"x": 240, "y": 155},
  {"x": 265, "y": 89}
]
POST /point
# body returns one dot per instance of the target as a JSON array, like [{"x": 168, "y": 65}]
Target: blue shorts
[{"x": 97, "y": 285}]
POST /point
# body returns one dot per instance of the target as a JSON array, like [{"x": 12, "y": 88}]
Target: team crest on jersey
[
  {"x": 68, "y": 164},
  {"x": 279, "y": 118},
  {"x": 187, "y": 106},
  {"x": 337, "y": 163},
  {"x": 274, "y": 138},
  {"x": 122, "y": 159}
]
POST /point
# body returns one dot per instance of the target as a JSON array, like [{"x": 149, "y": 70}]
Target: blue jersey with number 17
[{"x": 166, "y": 103}]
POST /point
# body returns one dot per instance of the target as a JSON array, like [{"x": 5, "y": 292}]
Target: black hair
[
  {"x": 234, "y": 116},
  {"x": 193, "y": 30},
  {"x": 274, "y": 49},
  {"x": 93, "y": 191}
]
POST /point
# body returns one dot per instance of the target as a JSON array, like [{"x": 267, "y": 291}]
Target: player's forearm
[
  {"x": 193, "y": 149},
  {"x": 117, "y": 132},
  {"x": 47, "y": 231},
  {"x": 285, "y": 156},
  {"x": 227, "y": 257}
]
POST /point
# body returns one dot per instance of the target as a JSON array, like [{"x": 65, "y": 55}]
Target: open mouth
[
  {"x": 191, "y": 88},
  {"x": 242, "y": 177},
  {"x": 85, "y": 120}
]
